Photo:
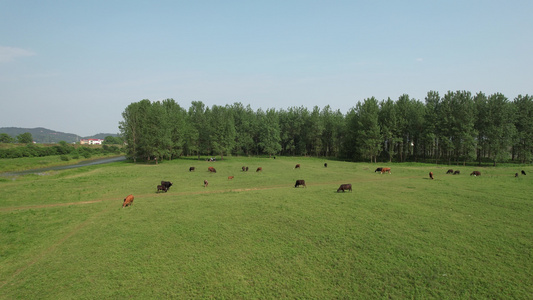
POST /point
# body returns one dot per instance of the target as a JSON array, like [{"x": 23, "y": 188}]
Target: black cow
[
  {"x": 523, "y": 173},
  {"x": 191, "y": 169},
  {"x": 345, "y": 187},
  {"x": 457, "y": 172},
  {"x": 166, "y": 184},
  {"x": 300, "y": 182},
  {"x": 450, "y": 171},
  {"x": 475, "y": 173},
  {"x": 515, "y": 174},
  {"x": 243, "y": 168},
  {"x": 325, "y": 165},
  {"x": 378, "y": 170}
]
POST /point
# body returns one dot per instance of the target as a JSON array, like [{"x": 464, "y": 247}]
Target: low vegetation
[
  {"x": 399, "y": 235},
  {"x": 68, "y": 150}
]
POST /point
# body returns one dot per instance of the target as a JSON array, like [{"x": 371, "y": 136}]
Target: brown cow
[
  {"x": 246, "y": 169},
  {"x": 259, "y": 169},
  {"x": 243, "y": 168},
  {"x": 230, "y": 177},
  {"x": 212, "y": 170},
  {"x": 385, "y": 170},
  {"x": 431, "y": 175},
  {"x": 345, "y": 187},
  {"x": 161, "y": 188},
  {"x": 515, "y": 174},
  {"x": 450, "y": 171},
  {"x": 205, "y": 183},
  {"x": 297, "y": 166},
  {"x": 475, "y": 173},
  {"x": 191, "y": 169},
  {"x": 457, "y": 172},
  {"x": 300, "y": 182},
  {"x": 128, "y": 201}
]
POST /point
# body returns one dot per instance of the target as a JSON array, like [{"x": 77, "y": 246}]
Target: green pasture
[
  {"x": 25, "y": 163},
  {"x": 65, "y": 235}
]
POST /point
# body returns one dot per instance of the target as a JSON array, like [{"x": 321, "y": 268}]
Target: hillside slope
[{"x": 43, "y": 135}]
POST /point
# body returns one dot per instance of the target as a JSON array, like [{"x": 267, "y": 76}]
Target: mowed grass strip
[{"x": 398, "y": 235}]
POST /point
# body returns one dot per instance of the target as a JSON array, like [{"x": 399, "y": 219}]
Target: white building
[{"x": 91, "y": 141}]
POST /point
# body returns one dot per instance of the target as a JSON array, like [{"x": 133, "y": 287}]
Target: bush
[{"x": 64, "y": 158}]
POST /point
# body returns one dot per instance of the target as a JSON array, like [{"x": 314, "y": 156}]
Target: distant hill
[{"x": 47, "y": 136}]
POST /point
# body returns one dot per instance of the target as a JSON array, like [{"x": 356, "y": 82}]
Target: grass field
[
  {"x": 399, "y": 235},
  {"x": 24, "y": 163}
]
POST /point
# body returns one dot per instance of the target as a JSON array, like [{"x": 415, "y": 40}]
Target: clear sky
[{"x": 74, "y": 66}]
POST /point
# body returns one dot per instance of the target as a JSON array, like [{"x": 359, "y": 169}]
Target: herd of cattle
[{"x": 165, "y": 185}]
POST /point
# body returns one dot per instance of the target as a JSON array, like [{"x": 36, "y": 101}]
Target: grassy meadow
[
  {"x": 400, "y": 235},
  {"x": 25, "y": 163}
]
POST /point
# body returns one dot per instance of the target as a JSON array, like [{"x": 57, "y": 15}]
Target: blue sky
[{"x": 74, "y": 66}]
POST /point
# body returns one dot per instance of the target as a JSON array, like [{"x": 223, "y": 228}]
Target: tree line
[
  {"x": 65, "y": 150},
  {"x": 456, "y": 128},
  {"x": 27, "y": 148}
]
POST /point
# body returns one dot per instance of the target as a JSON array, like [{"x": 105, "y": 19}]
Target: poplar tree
[
  {"x": 222, "y": 130},
  {"x": 369, "y": 135},
  {"x": 388, "y": 123},
  {"x": 269, "y": 133},
  {"x": 501, "y": 129},
  {"x": 131, "y": 127},
  {"x": 523, "y": 146}
]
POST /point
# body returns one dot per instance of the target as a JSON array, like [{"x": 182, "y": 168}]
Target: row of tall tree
[
  {"x": 457, "y": 127},
  {"x": 24, "y": 138}
]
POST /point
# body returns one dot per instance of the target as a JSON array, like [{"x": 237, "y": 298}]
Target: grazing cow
[
  {"x": 431, "y": 175},
  {"x": 246, "y": 169},
  {"x": 300, "y": 182},
  {"x": 243, "y": 168},
  {"x": 161, "y": 188},
  {"x": 523, "y": 173},
  {"x": 297, "y": 166},
  {"x": 191, "y": 169},
  {"x": 230, "y": 177},
  {"x": 378, "y": 170},
  {"x": 128, "y": 201},
  {"x": 205, "y": 183},
  {"x": 345, "y": 187},
  {"x": 212, "y": 170},
  {"x": 385, "y": 170},
  {"x": 166, "y": 184},
  {"x": 325, "y": 165},
  {"x": 475, "y": 173},
  {"x": 259, "y": 169},
  {"x": 515, "y": 174},
  {"x": 457, "y": 172},
  {"x": 450, "y": 171}
]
